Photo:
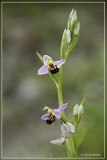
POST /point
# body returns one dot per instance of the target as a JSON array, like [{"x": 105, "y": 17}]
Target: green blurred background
[{"x": 31, "y": 27}]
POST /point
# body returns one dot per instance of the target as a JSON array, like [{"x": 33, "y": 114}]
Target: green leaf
[
  {"x": 54, "y": 77},
  {"x": 82, "y": 135},
  {"x": 84, "y": 100},
  {"x": 75, "y": 141},
  {"x": 72, "y": 119},
  {"x": 70, "y": 146},
  {"x": 76, "y": 123},
  {"x": 40, "y": 57},
  {"x": 64, "y": 44}
]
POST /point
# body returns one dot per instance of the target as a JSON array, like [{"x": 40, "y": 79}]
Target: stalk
[{"x": 59, "y": 89}]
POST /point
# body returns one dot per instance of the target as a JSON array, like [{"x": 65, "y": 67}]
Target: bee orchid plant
[{"x": 69, "y": 128}]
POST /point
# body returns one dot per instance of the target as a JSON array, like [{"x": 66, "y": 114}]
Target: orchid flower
[
  {"x": 50, "y": 66},
  {"x": 66, "y": 129},
  {"x": 53, "y": 113}
]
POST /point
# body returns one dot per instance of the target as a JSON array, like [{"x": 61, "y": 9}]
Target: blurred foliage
[{"x": 31, "y": 27}]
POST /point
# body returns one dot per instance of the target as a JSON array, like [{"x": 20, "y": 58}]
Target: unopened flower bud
[
  {"x": 70, "y": 17},
  {"x": 64, "y": 44},
  {"x": 77, "y": 28},
  {"x": 81, "y": 110},
  {"x": 75, "y": 110},
  {"x": 73, "y": 18},
  {"x": 71, "y": 13},
  {"x": 68, "y": 36}
]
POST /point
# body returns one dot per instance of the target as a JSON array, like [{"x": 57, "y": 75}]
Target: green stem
[
  {"x": 54, "y": 78},
  {"x": 63, "y": 119},
  {"x": 70, "y": 146},
  {"x": 59, "y": 89}
]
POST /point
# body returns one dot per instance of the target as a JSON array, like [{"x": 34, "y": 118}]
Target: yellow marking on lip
[
  {"x": 50, "y": 62},
  {"x": 50, "y": 111}
]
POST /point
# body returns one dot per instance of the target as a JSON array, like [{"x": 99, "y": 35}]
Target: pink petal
[
  {"x": 46, "y": 59},
  {"x": 43, "y": 70},
  {"x": 59, "y": 63},
  {"x": 62, "y": 107},
  {"x": 65, "y": 129},
  {"x": 57, "y": 113},
  {"x": 58, "y": 141},
  {"x": 45, "y": 116},
  {"x": 71, "y": 126}
]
